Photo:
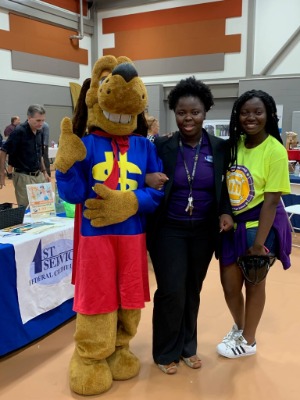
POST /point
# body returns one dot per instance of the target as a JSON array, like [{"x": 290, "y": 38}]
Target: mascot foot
[
  {"x": 89, "y": 377},
  {"x": 123, "y": 364}
]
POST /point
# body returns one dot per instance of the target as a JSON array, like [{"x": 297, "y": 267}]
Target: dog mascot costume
[{"x": 103, "y": 171}]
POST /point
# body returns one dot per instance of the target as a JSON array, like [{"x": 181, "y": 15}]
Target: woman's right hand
[
  {"x": 226, "y": 222},
  {"x": 156, "y": 180}
]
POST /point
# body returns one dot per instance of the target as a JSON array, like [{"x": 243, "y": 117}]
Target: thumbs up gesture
[{"x": 70, "y": 149}]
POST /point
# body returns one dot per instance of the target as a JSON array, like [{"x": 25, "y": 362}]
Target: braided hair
[
  {"x": 191, "y": 87},
  {"x": 142, "y": 125},
  {"x": 235, "y": 129}
]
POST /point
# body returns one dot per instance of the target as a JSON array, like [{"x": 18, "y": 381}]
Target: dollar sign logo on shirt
[{"x": 102, "y": 170}]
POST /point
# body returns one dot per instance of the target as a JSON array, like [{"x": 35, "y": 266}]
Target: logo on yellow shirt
[{"x": 240, "y": 187}]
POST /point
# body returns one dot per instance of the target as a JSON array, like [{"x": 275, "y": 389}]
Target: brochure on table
[{"x": 41, "y": 200}]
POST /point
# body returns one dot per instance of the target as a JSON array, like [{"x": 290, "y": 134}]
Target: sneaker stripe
[{"x": 238, "y": 350}]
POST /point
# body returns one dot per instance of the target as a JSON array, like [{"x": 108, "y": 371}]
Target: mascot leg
[
  {"x": 95, "y": 339},
  {"x": 123, "y": 363}
]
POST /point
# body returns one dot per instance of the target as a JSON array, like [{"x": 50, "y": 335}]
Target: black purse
[{"x": 255, "y": 268}]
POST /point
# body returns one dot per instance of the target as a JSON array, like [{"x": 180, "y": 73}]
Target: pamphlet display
[{"x": 41, "y": 200}]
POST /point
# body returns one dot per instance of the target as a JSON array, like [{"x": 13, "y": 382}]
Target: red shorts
[{"x": 111, "y": 272}]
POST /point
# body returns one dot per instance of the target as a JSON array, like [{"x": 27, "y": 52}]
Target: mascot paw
[
  {"x": 123, "y": 364},
  {"x": 71, "y": 148},
  {"x": 89, "y": 377},
  {"x": 113, "y": 207}
]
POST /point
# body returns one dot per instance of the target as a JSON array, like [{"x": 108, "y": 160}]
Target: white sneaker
[
  {"x": 236, "y": 348},
  {"x": 233, "y": 334}
]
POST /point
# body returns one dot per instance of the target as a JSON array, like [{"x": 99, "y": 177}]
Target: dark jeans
[
  {"x": 270, "y": 243},
  {"x": 180, "y": 254}
]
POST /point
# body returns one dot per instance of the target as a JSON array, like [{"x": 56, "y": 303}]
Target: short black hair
[{"x": 191, "y": 87}]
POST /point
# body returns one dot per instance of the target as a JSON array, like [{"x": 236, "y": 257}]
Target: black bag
[{"x": 255, "y": 268}]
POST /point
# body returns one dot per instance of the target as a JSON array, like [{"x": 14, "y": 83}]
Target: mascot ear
[{"x": 79, "y": 120}]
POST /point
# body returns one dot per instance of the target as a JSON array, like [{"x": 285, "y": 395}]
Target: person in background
[
  {"x": 257, "y": 177},
  {"x": 183, "y": 234},
  {"x": 46, "y": 138},
  {"x": 14, "y": 121},
  {"x": 153, "y": 127},
  {"x": 25, "y": 148}
]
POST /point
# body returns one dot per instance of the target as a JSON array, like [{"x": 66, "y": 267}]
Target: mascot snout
[{"x": 126, "y": 70}]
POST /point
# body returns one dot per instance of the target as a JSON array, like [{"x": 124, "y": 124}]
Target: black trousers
[
  {"x": 180, "y": 253},
  {"x": 46, "y": 160}
]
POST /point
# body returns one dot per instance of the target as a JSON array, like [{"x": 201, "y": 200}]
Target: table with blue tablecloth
[
  {"x": 294, "y": 178},
  {"x": 33, "y": 266},
  {"x": 295, "y": 183}
]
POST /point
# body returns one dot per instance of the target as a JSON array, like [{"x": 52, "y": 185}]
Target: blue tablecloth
[
  {"x": 13, "y": 333},
  {"x": 294, "y": 178}
]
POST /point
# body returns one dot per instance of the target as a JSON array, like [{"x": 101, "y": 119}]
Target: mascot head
[{"x": 112, "y": 100}]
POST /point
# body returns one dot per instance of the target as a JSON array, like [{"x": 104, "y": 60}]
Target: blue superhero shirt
[{"x": 76, "y": 186}]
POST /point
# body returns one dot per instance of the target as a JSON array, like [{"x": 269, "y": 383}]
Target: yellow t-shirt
[{"x": 261, "y": 169}]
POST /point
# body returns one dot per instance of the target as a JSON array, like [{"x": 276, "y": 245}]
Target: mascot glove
[
  {"x": 113, "y": 207},
  {"x": 70, "y": 149}
]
